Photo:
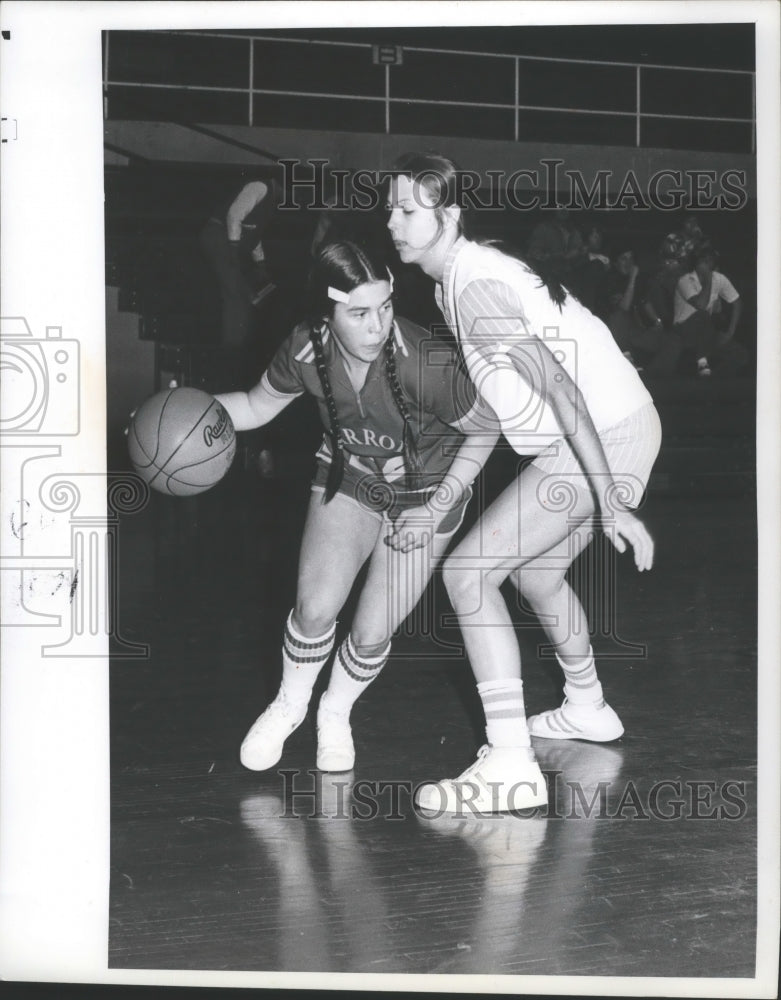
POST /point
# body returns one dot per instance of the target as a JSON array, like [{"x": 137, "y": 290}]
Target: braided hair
[
  {"x": 412, "y": 462},
  {"x": 344, "y": 266},
  {"x": 336, "y": 469}
]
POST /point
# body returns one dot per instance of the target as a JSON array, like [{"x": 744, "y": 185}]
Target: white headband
[{"x": 339, "y": 296}]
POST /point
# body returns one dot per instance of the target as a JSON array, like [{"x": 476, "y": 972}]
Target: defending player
[
  {"x": 395, "y": 408},
  {"x": 565, "y": 394}
]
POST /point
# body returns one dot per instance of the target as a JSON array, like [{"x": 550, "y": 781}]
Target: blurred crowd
[
  {"x": 678, "y": 314},
  {"x": 672, "y": 311}
]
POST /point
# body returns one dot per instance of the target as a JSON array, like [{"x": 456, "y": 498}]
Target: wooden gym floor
[{"x": 644, "y": 863}]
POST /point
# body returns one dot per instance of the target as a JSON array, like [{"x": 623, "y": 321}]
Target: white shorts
[{"x": 630, "y": 447}]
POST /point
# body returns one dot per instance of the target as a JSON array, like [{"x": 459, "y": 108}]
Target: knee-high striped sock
[
  {"x": 350, "y": 676},
  {"x": 581, "y": 684},
  {"x": 302, "y": 661},
  {"x": 505, "y": 715}
]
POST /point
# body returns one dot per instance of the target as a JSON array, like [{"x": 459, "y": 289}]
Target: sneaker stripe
[
  {"x": 472, "y": 793},
  {"x": 596, "y": 722},
  {"x": 557, "y": 720}
]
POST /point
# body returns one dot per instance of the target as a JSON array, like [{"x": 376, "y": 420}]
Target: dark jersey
[{"x": 438, "y": 394}]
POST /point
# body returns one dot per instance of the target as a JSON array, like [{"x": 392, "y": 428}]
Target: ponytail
[{"x": 552, "y": 270}]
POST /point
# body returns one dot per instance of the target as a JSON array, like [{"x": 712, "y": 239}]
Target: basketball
[{"x": 181, "y": 441}]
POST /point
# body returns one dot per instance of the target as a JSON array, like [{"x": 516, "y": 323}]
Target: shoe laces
[
  {"x": 280, "y": 708},
  {"x": 330, "y": 722},
  {"x": 482, "y": 753}
]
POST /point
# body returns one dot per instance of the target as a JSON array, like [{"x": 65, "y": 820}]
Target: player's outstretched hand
[
  {"x": 621, "y": 527},
  {"x": 412, "y": 529}
]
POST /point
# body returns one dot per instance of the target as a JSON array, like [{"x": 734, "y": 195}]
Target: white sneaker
[
  {"x": 263, "y": 744},
  {"x": 335, "y": 749},
  {"x": 502, "y": 779},
  {"x": 597, "y": 723}
]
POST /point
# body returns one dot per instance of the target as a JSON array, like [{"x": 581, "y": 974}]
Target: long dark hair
[
  {"x": 344, "y": 266},
  {"x": 439, "y": 176}
]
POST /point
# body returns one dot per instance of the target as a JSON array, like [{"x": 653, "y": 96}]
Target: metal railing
[{"x": 386, "y": 101}]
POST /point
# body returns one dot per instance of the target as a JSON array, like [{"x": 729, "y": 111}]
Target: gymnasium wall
[
  {"x": 343, "y": 150},
  {"x": 159, "y": 195}
]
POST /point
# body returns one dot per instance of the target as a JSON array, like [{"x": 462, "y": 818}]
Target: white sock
[
  {"x": 505, "y": 715},
  {"x": 350, "y": 676},
  {"x": 581, "y": 684},
  {"x": 302, "y": 661}
]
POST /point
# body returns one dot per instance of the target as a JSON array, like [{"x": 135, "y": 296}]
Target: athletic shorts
[
  {"x": 385, "y": 500},
  {"x": 630, "y": 447}
]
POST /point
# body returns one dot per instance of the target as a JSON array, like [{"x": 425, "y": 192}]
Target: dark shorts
[{"x": 386, "y": 500}]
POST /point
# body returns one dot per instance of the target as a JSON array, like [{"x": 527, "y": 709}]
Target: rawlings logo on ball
[
  {"x": 181, "y": 441},
  {"x": 211, "y": 434}
]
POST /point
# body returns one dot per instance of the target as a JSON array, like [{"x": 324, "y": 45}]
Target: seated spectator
[
  {"x": 640, "y": 343},
  {"x": 657, "y": 310},
  {"x": 595, "y": 243},
  {"x": 556, "y": 236},
  {"x": 692, "y": 237},
  {"x": 548, "y": 238},
  {"x": 582, "y": 265},
  {"x": 588, "y": 270},
  {"x": 659, "y": 293},
  {"x": 700, "y": 319},
  {"x": 681, "y": 244}
]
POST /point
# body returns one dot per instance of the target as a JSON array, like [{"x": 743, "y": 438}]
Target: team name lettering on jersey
[{"x": 367, "y": 438}]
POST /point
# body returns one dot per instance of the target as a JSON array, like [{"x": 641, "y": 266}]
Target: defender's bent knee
[
  {"x": 462, "y": 585},
  {"x": 539, "y": 587}
]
